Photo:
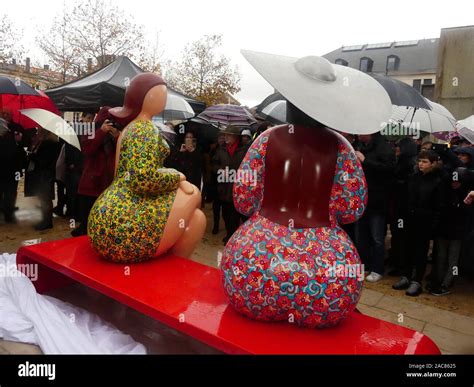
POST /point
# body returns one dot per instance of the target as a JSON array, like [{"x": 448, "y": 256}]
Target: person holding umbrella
[
  {"x": 99, "y": 165},
  {"x": 41, "y": 172},
  {"x": 189, "y": 160},
  {"x": 212, "y": 186},
  {"x": 226, "y": 162}
]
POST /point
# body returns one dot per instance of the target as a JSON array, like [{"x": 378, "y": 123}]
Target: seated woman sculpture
[{"x": 148, "y": 210}]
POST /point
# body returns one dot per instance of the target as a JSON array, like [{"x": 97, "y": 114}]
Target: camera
[{"x": 114, "y": 124}]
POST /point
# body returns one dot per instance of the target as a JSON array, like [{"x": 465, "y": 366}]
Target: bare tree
[
  {"x": 10, "y": 35},
  {"x": 100, "y": 30},
  {"x": 56, "y": 45},
  {"x": 152, "y": 55},
  {"x": 203, "y": 73}
]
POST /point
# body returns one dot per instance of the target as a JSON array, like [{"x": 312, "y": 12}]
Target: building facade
[
  {"x": 440, "y": 68},
  {"x": 413, "y": 62},
  {"x": 455, "y": 75},
  {"x": 38, "y": 78}
]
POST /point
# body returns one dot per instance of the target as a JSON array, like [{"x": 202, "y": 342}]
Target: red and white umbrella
[{"x": 16, "y": 95}]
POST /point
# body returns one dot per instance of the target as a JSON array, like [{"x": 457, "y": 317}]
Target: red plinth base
[{"x": 188, "y": 297}]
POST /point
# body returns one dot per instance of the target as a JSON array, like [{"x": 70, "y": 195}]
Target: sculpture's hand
[
  {"x": 182, "y": 177},
  {"x": 186, "y": 187}
]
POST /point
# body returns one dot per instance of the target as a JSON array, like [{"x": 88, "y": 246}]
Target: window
[
  {"x": 353, "y": 48},
  {"x": 366, "y": 65},
  {"x": 393, "y": 62},
  {"x": 427, "y": 91},
  {"x": 417, "y": 84},
  {"x": 406, "y": 43},
  {"x": 341, "y": 62},
  {"x": 427, "y": 81},
  {"x": 379, "y": 45}
]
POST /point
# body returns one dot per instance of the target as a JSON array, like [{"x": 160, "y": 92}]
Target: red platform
[{"x": 188, "y": 297}]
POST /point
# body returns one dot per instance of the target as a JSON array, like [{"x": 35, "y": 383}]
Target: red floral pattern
[{"x": 272, "y": 273}]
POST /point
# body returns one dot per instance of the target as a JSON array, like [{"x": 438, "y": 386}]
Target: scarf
[{"x": 232, "y": 148}]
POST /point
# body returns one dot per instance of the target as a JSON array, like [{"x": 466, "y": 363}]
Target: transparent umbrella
[
  {"x": 438, "y": 119},
  {"x": 465, "y": 128}
]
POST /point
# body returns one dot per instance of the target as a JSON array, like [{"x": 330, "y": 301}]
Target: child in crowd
[{"x": 426, "y": 198}]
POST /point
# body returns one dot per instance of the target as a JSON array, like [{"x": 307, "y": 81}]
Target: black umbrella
[
  {"x": 208, "y": 130},
  {"x": 400, "y": 93},
  {"x": 16, "y": 87}
]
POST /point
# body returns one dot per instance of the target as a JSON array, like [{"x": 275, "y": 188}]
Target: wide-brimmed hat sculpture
[
  {"x": 291, "y": 261},
  {"x": 337, "y": 96}
]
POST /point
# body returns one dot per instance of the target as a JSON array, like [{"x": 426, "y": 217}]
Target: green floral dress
[{"x": 127, "y": 221}]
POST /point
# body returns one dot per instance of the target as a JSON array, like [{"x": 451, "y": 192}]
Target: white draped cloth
[{"x": 55, "y": 326}]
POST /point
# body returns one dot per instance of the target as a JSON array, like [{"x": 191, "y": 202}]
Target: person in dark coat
[
  {"x": 212, "y": 186},
  {"x": 99, "y": 166},
  {"x": 189, "y": 160},
  {"x": 465, "y": 156},
  {"x": 453, "y": 158},
  {"x": 12, "y": 162},
  {"x": 378, "y": 161},
  {"x": 406, "y": 153},
  {"x": 74, "y": 166},
  {"x": 172, "y": 160},
  {"x": 226, "y": 162},
  {"x": 466, "y": 264},
  {"x": 41, "y": 174},
  {"x": 453, "y": 230},
  {"x": 427, "y": 190},
  {"x": 60, "y": 181}
]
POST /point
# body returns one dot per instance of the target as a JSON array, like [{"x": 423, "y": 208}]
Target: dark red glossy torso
[{"x": 299, "y": 175}]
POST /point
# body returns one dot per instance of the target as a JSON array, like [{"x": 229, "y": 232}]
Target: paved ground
[{"x": 448, "y": 320}]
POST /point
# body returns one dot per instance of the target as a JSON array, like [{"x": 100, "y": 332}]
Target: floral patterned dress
[
  {"x": 127, "y": 221},
  {"x": 308, "y": 276}
]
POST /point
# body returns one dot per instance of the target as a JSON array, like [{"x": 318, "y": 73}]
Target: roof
[
  {"x": 416, "y": 56},
  {"x": 104, "y": 87}
]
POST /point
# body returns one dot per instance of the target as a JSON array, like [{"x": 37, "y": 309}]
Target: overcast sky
[{"x": 288, "y": 27}]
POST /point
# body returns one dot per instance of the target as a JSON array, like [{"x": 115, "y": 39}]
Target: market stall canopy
[{"x": 105, "y": 87}]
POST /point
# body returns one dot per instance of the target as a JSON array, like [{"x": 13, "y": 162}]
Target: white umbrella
[
  {"x": 168, "y": 133},
  {"x": 177, "y": 108},
  {"x": 54, "y": 124},
  {"x": 276, "y": 110},
  {"x": 465, "y": 128},
  {"x": 438, "y": 119}
]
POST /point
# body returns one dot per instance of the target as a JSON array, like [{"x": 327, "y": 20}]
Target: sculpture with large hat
[{"x": 292, "y": 261}]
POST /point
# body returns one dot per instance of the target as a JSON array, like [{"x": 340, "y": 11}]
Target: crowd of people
[{"x": 419, "y": 192}]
